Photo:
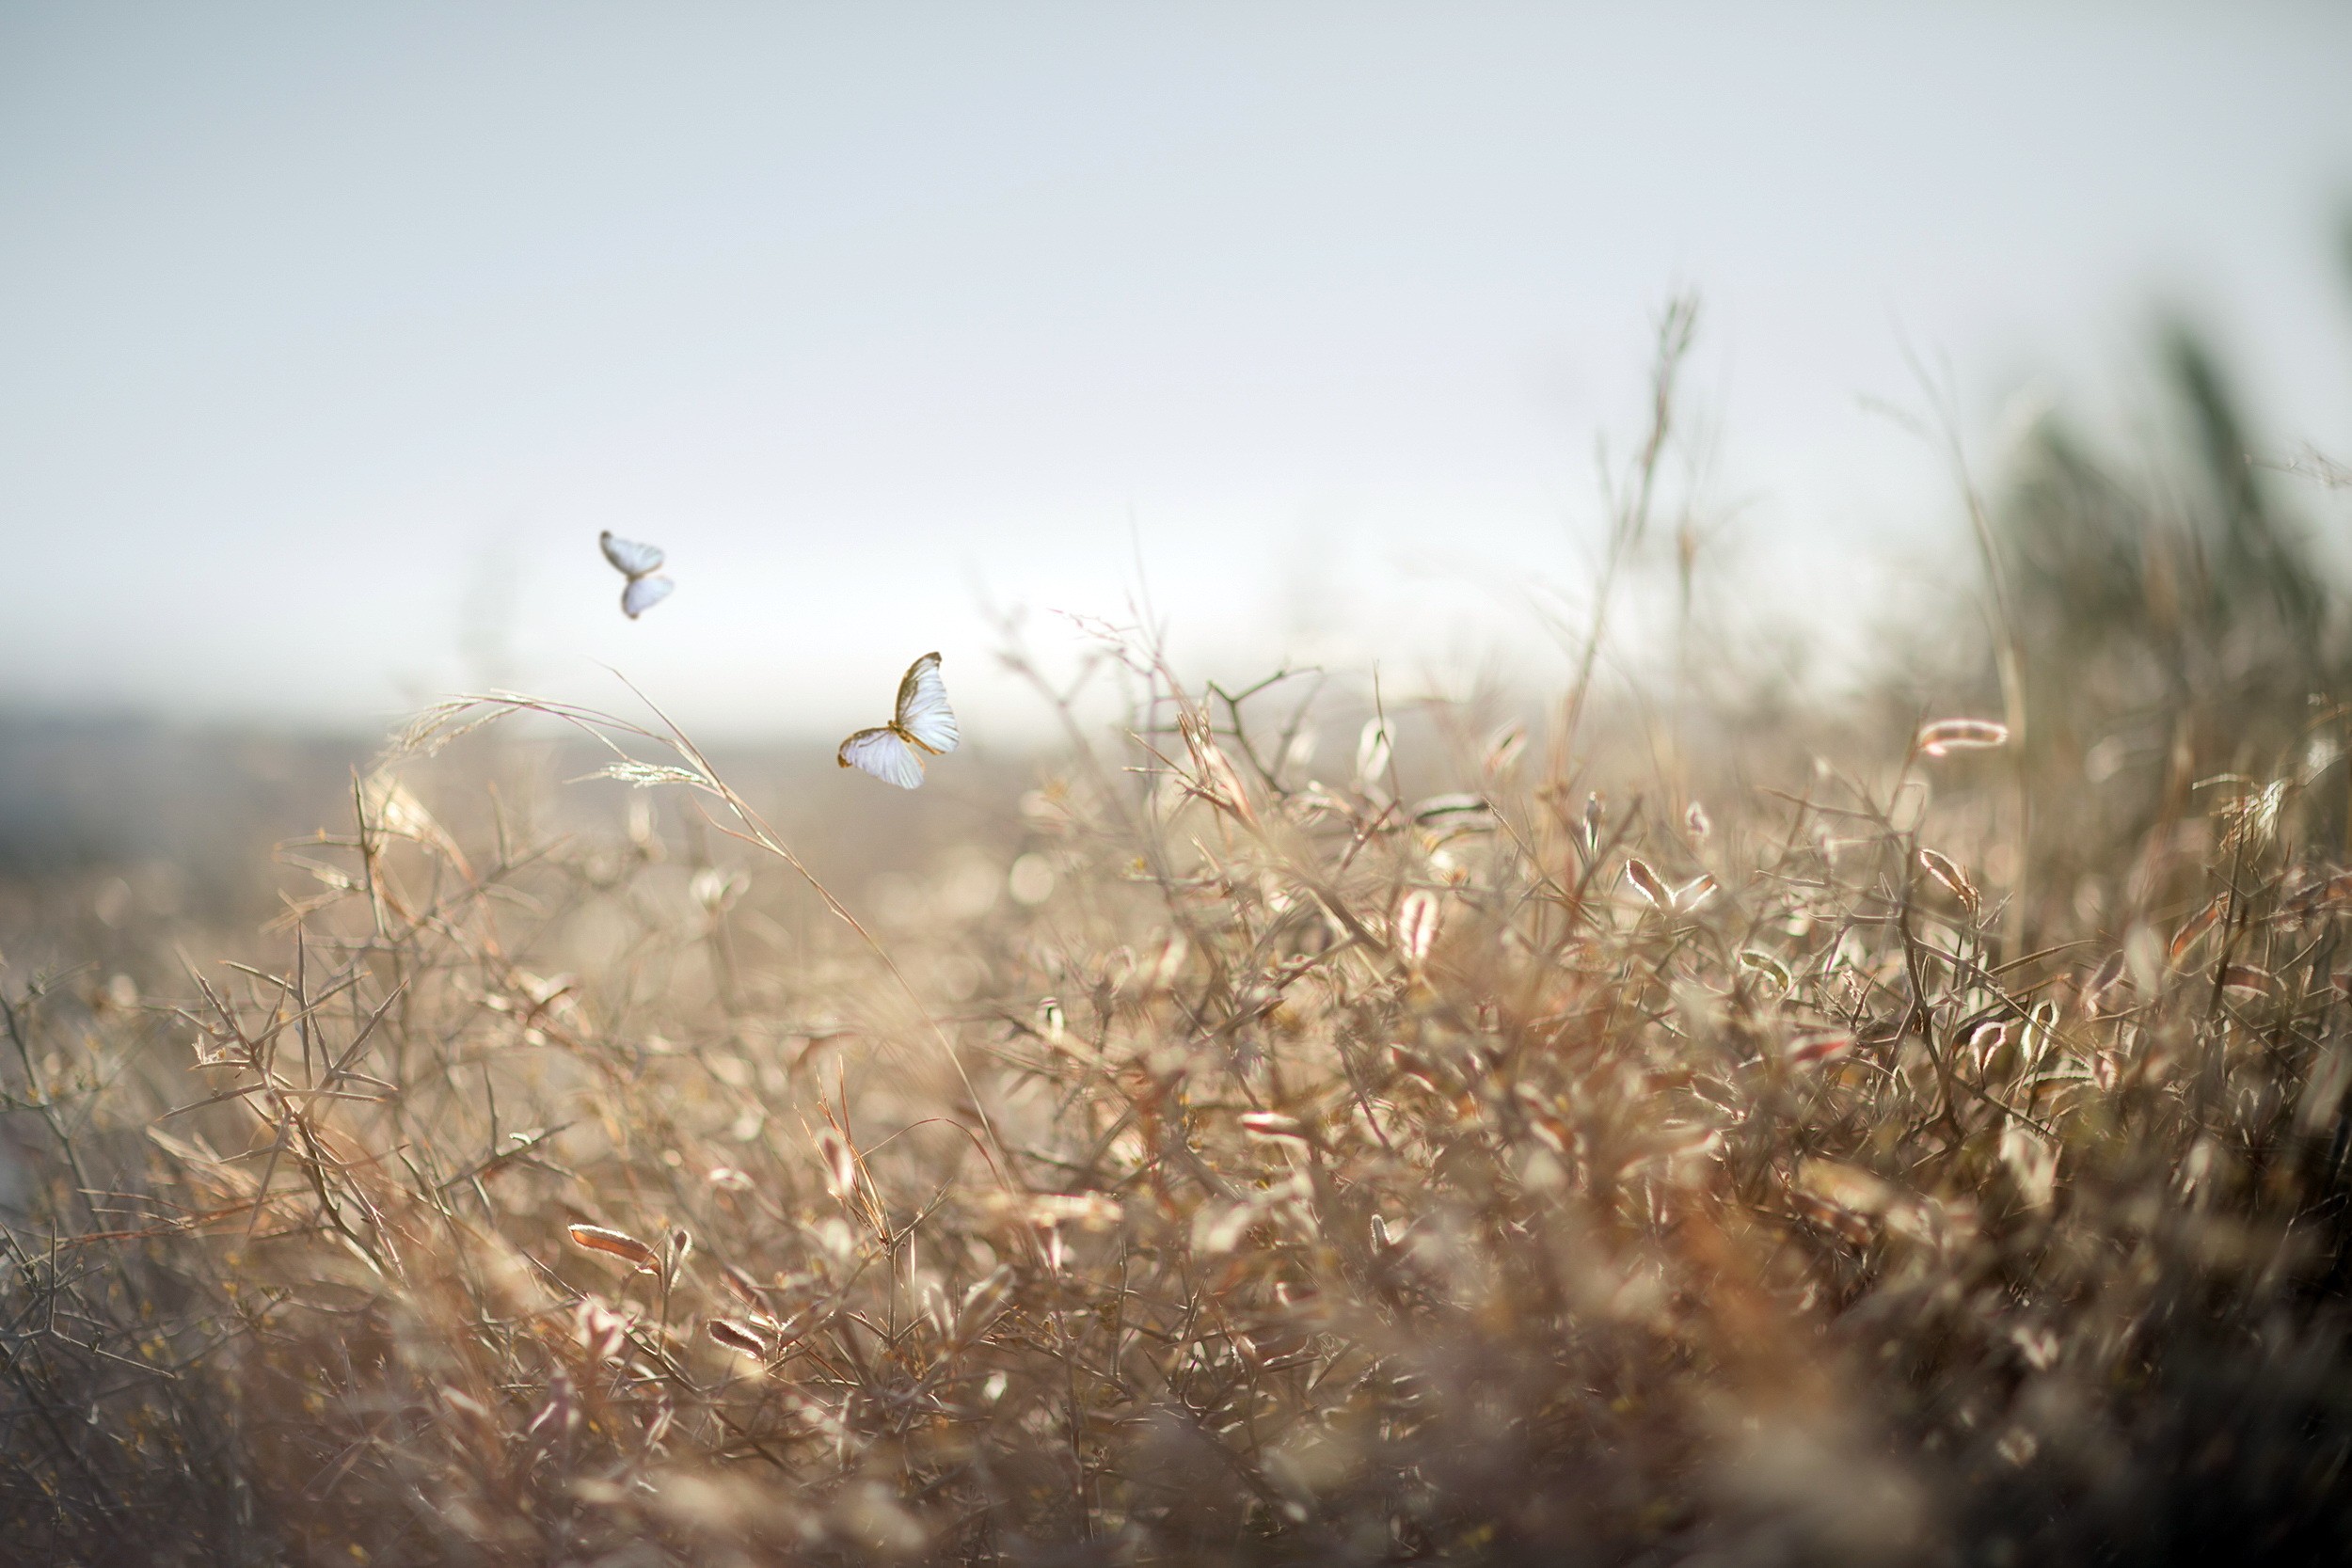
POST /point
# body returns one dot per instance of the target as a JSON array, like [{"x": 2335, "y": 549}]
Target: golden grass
[
  {"x": 1318, "y": 1172},
  {"x": 1511, "y": 1148}
]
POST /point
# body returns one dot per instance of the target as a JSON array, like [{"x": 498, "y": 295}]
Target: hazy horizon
[{"x": 331, "y": 338}]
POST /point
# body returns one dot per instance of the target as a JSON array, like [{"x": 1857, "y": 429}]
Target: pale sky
[{"x": 328, "y": 331}]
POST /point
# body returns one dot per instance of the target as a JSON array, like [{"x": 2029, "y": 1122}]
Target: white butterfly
[
  {"x": 637, "y": 562},
  {"x": 921, "y": 725},
  {"x": 642, "y": 594}
]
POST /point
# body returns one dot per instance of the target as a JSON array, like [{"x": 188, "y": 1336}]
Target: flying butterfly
[
  {"x": 920, "y": 725},
  {"x": 638, "y": 562}
]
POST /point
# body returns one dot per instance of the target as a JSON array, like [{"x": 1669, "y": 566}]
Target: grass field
[{"x": 1914, "y": 1130}]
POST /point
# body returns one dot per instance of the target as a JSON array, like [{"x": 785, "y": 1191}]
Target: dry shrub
[
  {"x": 1299, "y": 1171},
  {"x": 1485, "y": 1148}
]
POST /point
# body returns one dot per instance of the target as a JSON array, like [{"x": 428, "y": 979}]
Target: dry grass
[
  {"x": 1224, "y": 1161},
  {"x": 1312, "y": 1172}
]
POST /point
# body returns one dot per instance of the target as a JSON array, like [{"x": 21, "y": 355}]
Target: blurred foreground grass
[{"x": 1494, "y": 1143}]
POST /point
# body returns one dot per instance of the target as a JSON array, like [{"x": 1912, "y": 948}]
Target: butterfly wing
[
  {"x": 642, "y": 594},
  {"x": 923, "y": 715},
  {"x": 886, "y": 754},
  {"x": 629, "y": 556}
]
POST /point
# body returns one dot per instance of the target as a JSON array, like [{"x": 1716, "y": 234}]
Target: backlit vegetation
[{"x": 1459, "y": 1139}]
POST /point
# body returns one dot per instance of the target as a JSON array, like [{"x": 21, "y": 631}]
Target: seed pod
[
  {"x": 602, "y": 1331},
  {"x": 1848, "y": 1187},
  {"x": 1647, "y": 883},
  {"x": 1413, "y": 1064},
  {"x": 1504, "y": 750},
  {"x": 2248, "y": 978},
  {"x": 1947, "y": 736},
  {"x": 736, "y": 1337},
  {"x": 1417, "y": 925},
  {"x": 2194, "y": 926},
  {"x": 559, "y": 1416},
  {"x": 2106, "y": 979},
  {"x": 2032, "y": 1165},
  {"x": 1955, "y": 880},
  {"x": 1222, "y": 785},
  {"x": 1274, "y": 1126},
  {"x": 1372, "y": 752},
  {"x": 596, "y": 1238},
  {"x": 840, "y": 1163},
  {"x": 714, "y": 889},
  {"x": 1819, "y": 1048},
  {"x": 1460, "y": 810}
]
